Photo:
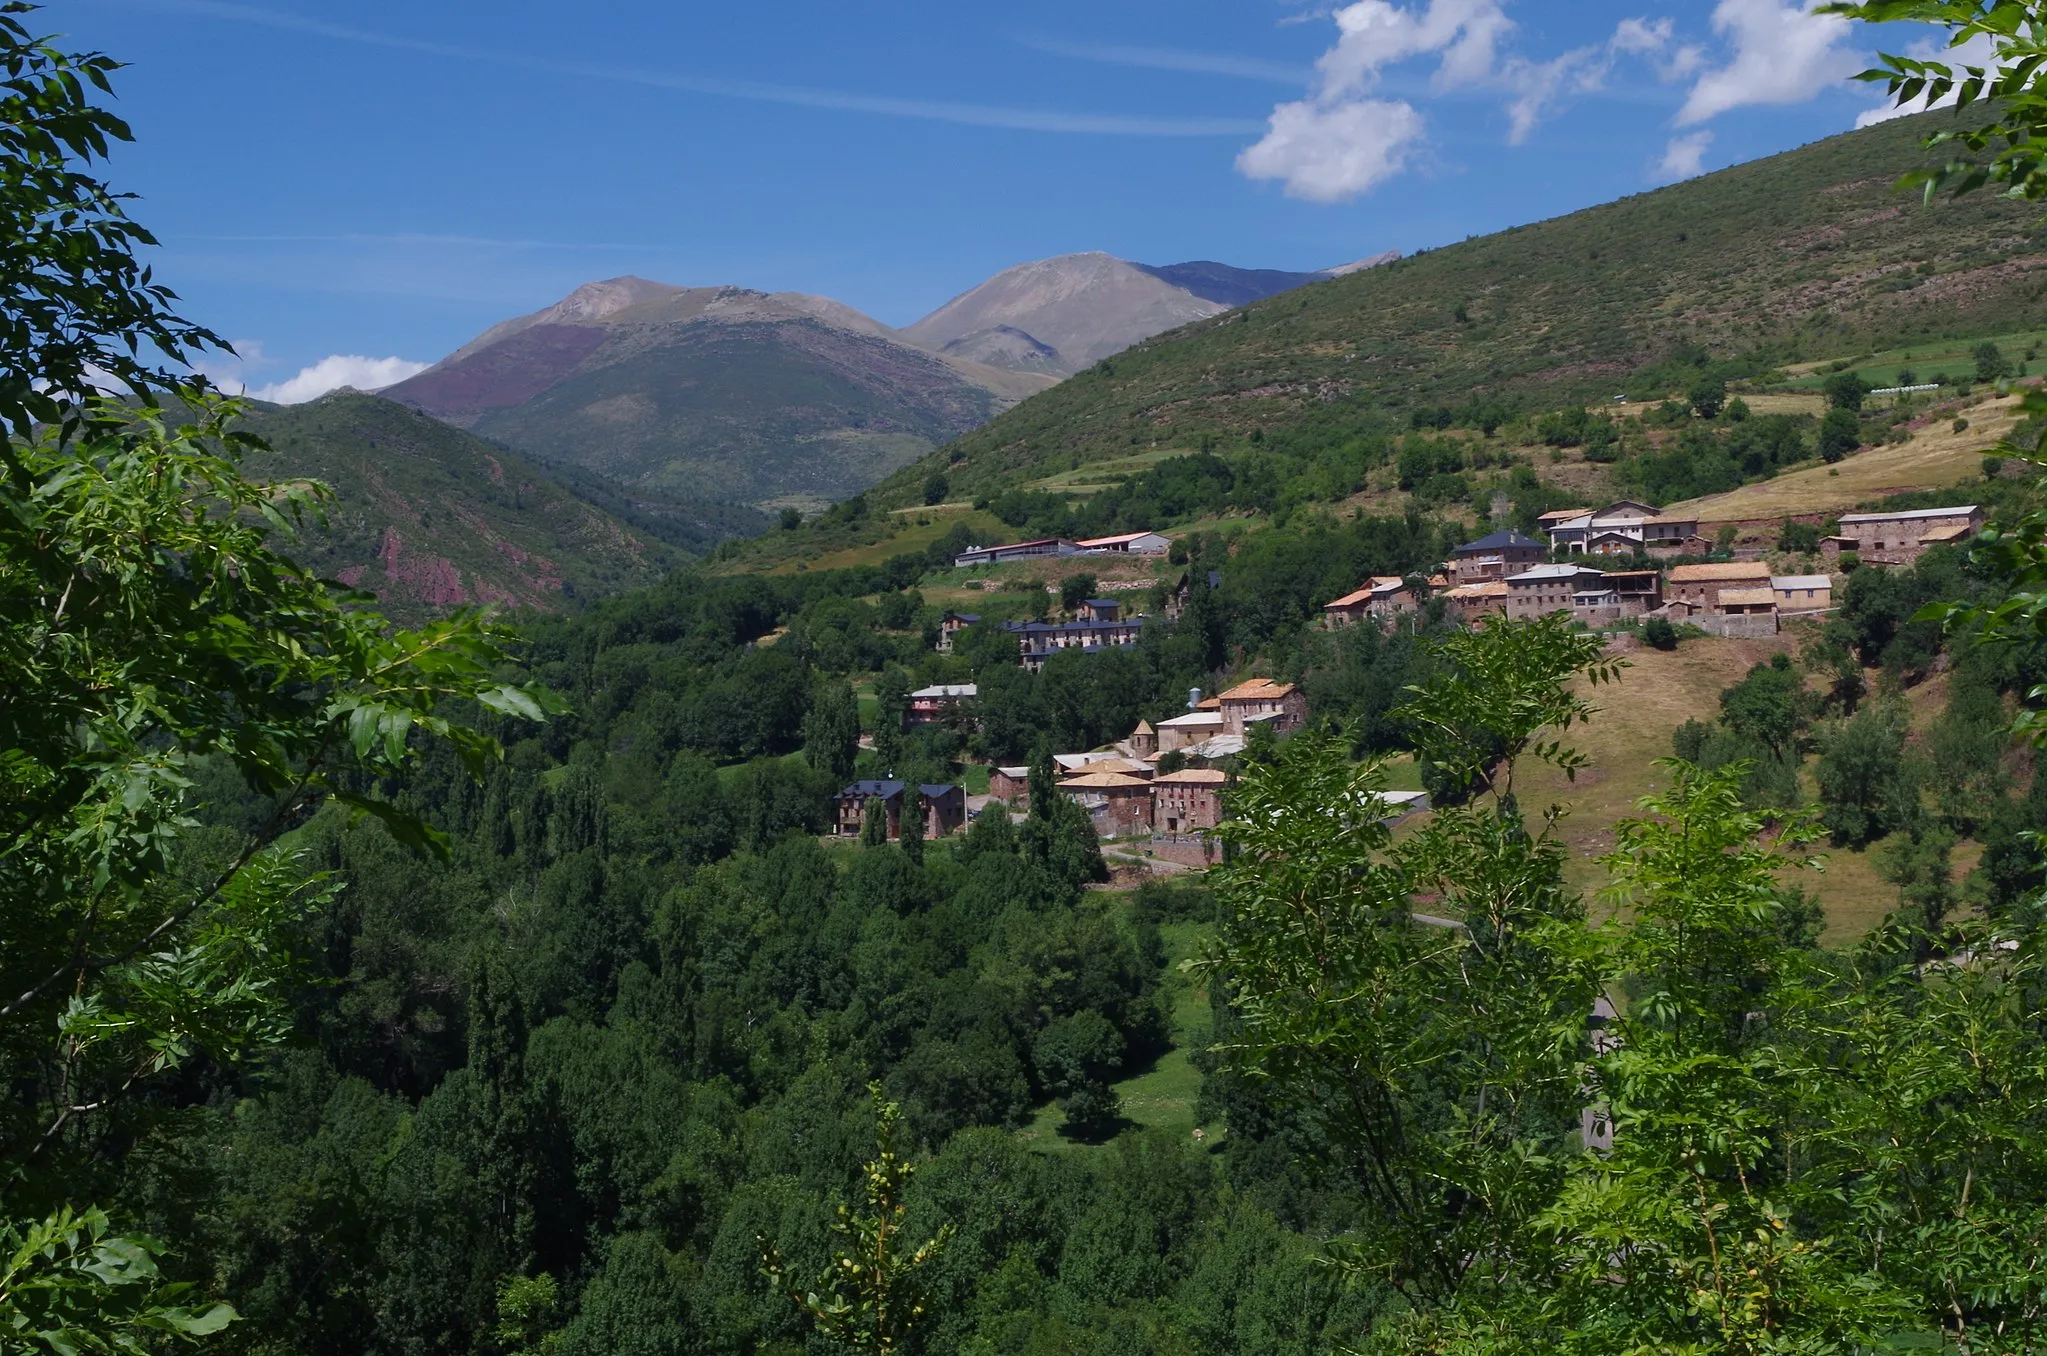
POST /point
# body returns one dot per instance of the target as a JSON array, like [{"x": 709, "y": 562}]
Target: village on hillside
[{"x": 1162, "y": 786}]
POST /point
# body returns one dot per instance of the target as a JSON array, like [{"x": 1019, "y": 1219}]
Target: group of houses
[
  {"x": 1124, "y": 792},
  {"x": 1508, "y": 574}
]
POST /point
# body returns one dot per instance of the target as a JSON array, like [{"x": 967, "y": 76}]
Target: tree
[
  {"x": 1059, "y": 836},
  {"x": 936, "y": 488},
  {"x": 791, "y": 519},
  {"x": 150, "y": 634},
  {"x": 911, "y": 836},
  {"x": 1659, "y": 633},
  {"x": 1769, "y": 706},
  {"x": 891, "y": 714},
  {"x": 1074, "y": 590},
  {"x": 1430, "y": 1061},
  {"x": 1864, "y": 792},
  {"x": 1845, "y": 390},
  {"x": 831, "y": 731},
  {"x": 1840, "y": 434},
  {"x": 1707, "y": 396},
  {"x": 1076, "y": 1057},
  {"x": 872, "y": 1295},
  {"x": 1991, "y": 364},
  {"x": 874, "y": 823}
]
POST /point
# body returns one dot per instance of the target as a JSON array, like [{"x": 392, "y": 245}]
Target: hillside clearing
[{"x": 1935, "y": 456}]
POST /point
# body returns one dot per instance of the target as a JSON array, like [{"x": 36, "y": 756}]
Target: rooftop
[
  {"x": 1194, "y": 720},
  {"x": 889, "y": 789},
  {"x": 1542, "y": 573},
  {"x": 1194, "y": 776},
  {"x": 1103, "y": 781},
  {"x": 1747, "y": 597},
  {"x": 1800, "y": 581},
  {"x": 1503, "y": 541},
  {"x": 948, "y": 690},
  {"x": 1119, "y": 539},
  {"x": 1491, "y": 588},
  {"x": 1562, "y": 515},
  {"x": 1258, "y": 689},
  {"x": 1714, "y": 574},
  {"x": 1940, "y": 534},
  {"x": 1957, "y": 511}
]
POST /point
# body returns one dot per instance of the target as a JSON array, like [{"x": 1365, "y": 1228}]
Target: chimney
[{"x": 1193, "y": 699}]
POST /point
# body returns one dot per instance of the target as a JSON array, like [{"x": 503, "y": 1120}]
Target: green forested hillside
[
  {"x": 428, "y": 517},
  {"x": 1807, "y": 254}
]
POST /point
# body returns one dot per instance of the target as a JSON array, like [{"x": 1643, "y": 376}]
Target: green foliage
[
  {"x": 83, "y": 312},
  {"x": 874, "y": 823},
  {"x": 1074, "y": 590},
  {"x": 912, "y": 833},
  {"x": 935, "y": 489},
  {"x": 1840, "y": 434},
  {"x": 1864, "y": 788},
  {"x": 831, "y": 732},
  {"x": 1708, "y": 395},
  {"x": 871, "y": 1297},
  {"x": 72, "y": 1286},
  {"x": 1845, "y": 391}
]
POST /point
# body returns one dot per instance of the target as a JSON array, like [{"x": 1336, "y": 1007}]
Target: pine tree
[
  {"x": 912, "y": 836},
  {"x": 874, "y": 823},
  {"x": 831, "y": 732}
]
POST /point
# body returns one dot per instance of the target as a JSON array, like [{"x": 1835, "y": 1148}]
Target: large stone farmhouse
[{"x": 1900, "y": 538}]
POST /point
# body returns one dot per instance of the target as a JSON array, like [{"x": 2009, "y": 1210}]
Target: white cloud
[
  {"x": 1334, "y": 152},
  {"x": 1979, "y": 51},
  {"x": 1783, "y": 54},
  {"x": 1375, "y": 34},
  {"x": 334, "y": 372},
  {"x": 1341, "y": 140},
  {"x": 1685, "y": 156}
]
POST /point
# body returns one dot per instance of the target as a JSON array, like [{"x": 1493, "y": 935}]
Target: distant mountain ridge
[
  {"x": 429, "y": 518},
  {"x": 769, "y": 399}
]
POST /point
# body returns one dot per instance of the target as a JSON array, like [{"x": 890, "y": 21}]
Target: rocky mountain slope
[
  {"x": 1066, "y": 314},
  {"x": 718, "y": 393},
  {"x": 430, "y": 518},
  {"x": 786, "y": 398},
  {"x": 1812, "y": 253}
]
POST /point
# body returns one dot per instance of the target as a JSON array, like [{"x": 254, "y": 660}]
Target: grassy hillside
[
  {"x": 428, "y": 517},
  {"x": 1806, "y": 255}
]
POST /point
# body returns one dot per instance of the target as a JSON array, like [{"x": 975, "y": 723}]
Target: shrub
[
  {"x": 1840, "y": 434},
  {"x": 1658, "y": 632}
]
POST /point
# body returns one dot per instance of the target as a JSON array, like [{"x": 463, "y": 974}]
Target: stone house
[
  {"x": 1900, "y": 538},
  {"x": 1119, "y": 804},
  {"x": 1496, "y": 557},
  {"x": 1702, "y": 584},
  {"x": 1260, "y": 701},
  {"x": 945, "y": 808},
  {"x": 1188, "y": 801},
  {"x": 1546, "y": 589}
]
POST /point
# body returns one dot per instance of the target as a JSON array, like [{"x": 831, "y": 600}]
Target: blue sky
[{"x": 365, "y": 180}]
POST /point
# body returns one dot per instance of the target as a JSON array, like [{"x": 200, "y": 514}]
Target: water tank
[{"x": 1193, "y": 698}]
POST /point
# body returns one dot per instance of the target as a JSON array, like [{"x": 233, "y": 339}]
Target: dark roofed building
[
  {"x": 945, "y": 808},
  {"x": 1499, "y": 556}
]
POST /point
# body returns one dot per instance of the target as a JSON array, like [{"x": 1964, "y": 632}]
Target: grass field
[
  {"x": 1936, "y": 456},
  {"x": 904, "y": 536},
  {"x": 1926, "y": 361}
]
